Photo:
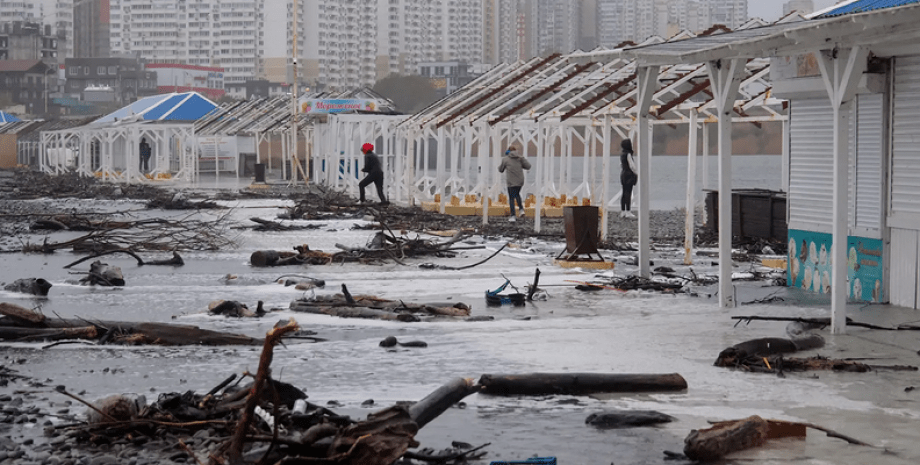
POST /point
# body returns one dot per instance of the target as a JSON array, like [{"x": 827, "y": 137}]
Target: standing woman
[
  {"x": 513, "y": 165},
  {"x": 628, "y": 177}
]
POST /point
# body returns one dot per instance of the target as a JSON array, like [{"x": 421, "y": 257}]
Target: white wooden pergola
[
  {"x": 841, "y": 44},
  {"x": 111, "y": 151}
]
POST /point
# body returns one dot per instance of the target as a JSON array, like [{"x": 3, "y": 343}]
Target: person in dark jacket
[
  {"x": 374, "y": 173},
  {"x": 513, "y": 165},
  {"x": 145, "y": 156},
  {"x": 628, "y": 177}
]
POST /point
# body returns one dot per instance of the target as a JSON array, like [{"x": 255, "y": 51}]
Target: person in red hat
[{"x": 374, "y": 173}]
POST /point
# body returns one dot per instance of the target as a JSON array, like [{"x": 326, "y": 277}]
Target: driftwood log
[
  {"x": 434, "y": 404},
  {"x": 22, "y": 324},
  {"x": 726, "y": 437},
  {"x": 535, "y": 384}
]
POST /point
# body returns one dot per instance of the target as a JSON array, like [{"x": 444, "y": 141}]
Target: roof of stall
[
  {"x": 30, "y": 130},
  {"x": 274, "y": 113},
  {"x": 861, "y": 6},
  {"x": 7, "y": 118},
  {"x": 880, "y": 27},
  {"x": 185, "y": 106},
  {"x": 572, "y": 87}
]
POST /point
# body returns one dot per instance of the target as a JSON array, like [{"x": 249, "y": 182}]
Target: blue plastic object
[{"x": 530, "y": 461}]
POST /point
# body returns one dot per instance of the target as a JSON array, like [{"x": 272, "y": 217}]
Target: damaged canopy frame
[{"x": 557, "y": 108}]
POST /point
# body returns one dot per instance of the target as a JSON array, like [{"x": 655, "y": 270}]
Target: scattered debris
[{"x": 366, "y": 306}]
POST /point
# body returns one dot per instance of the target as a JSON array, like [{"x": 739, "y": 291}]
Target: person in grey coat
[{"x": 513, "y": 165}]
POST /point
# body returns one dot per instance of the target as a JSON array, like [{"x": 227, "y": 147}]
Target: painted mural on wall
[{"x": 810, "y": 260}]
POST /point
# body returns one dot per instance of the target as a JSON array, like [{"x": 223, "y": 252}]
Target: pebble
[{"x": 103, "y": 460}]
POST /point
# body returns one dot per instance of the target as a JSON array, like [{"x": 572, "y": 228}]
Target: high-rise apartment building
[
  {"x": 218, "y": 33},
  {"x": 346, "y": 44},
  {"x": 619, "y": 21},
  {"x": 339, "y": 43},
  {"x": 509, "y": 30},
  {"x": 801, "y": 6},
  {"x": 731, "y": 13},
  {"x": 557, "y": 26},
  {"x": 55, "y": 13},
  {"x": 18, "y": 10},
  {"x": 91, "y": 29}
]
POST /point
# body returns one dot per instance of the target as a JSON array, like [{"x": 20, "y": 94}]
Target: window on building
[
  {"x": 113, "y": 70},
  {"x": 73, "y": 70},
  {"x": 100, "y": 70}
]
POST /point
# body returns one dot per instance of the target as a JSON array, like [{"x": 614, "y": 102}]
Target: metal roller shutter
[
  {"x": 905, "y": 150},
  {"x": 868, "y": 174},
  {"x": 811, "y": 174}
]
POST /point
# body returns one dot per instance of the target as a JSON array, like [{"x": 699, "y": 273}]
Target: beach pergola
[
  {"x": 108, "y": 147},
  {"x": 840, "y": 44}
]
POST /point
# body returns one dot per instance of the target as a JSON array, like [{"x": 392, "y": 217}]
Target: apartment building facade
[
  {"x": 621, "y": 21},
  {"x": 216, "y": 33}
]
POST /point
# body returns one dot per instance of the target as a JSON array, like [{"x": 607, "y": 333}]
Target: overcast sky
[{"x": 771, "y": 10}]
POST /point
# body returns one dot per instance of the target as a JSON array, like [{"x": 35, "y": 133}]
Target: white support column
[
  {"x": 647, "y": 84},
  {"x": 705, "y": 177},
  {"x": 441, "y": 161},
  {"x": 605, "y": 178},
  {"x": 724, "y": 79},
  {"x": 841, "y": 70},
  {"x": 540, "y": 183},
  {"x": 691, "y": 188},
  {"x": 786, "y": 142}
]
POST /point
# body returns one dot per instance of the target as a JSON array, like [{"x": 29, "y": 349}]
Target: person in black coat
[
  {"x": 374, "y": 173},
  {"x": 145, "y": 156},
  {"x": 628, "y": 177}
]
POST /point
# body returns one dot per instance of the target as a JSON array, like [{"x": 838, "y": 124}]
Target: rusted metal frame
[
  {"x": 451, "y": 103},
  {"x": 242, "y": 118},
  {"x": 598, "y": 79},
  {"x": 671, "y": 88},
  {"x": 264, "y": 114},
  {"x": 553, "y": 87},
  {"x": 488, "y": 95},
  {"x": 213, "y": 117},
  {"x": 454, "y": 99},
  {"x": 682, "y": 98},
  {"x": 512, "y": 94},
  {"x": 246, "y": 115},
  {"x": 611, "y": 88}
]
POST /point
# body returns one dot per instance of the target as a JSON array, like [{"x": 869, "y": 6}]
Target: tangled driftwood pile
[
  {"x": 155, "y": 234},
  {"x": 382, "y": 247}
]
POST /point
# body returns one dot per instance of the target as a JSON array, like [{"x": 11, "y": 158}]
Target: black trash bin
[{"x": 260, "y": 172}]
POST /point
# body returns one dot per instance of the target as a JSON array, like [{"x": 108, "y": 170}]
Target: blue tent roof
[
  {"x": 186, "y": 106},
  {"x": 862, "y": 6},
  {"x": 7, "y": 118}
]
